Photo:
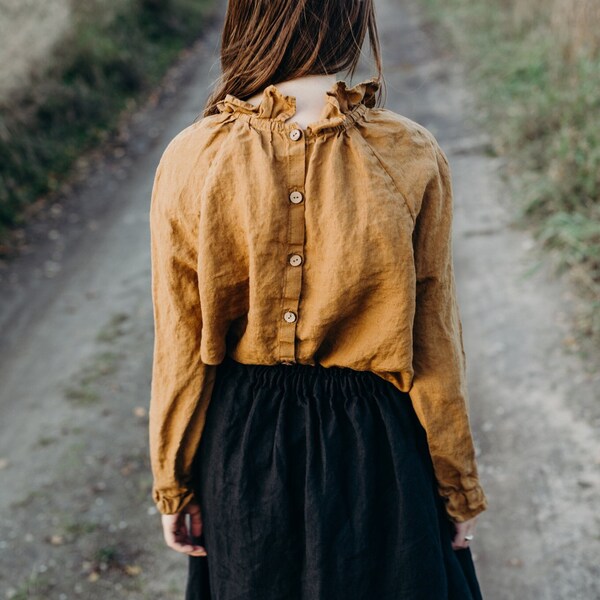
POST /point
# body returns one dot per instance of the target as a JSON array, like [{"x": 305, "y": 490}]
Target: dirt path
[{"x": 77, "y": 520}]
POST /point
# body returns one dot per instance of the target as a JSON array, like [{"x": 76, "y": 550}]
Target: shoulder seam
[{"x": 390, "y": 178}]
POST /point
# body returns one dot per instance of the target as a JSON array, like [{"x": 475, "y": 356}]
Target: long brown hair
[{"x": 267, "y": 41}]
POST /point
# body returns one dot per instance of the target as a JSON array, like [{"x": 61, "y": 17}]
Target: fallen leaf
[
  {"x": 515, "y": 562},
  {"x": 133, "y": 570}
]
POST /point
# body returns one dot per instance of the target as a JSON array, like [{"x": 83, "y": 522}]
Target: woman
[{"x": 309, "y": 433}]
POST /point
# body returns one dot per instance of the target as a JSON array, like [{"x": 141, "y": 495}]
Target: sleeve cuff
[
  {"x": 465, "y": 504},
  {"x": 169, "y": 504}
]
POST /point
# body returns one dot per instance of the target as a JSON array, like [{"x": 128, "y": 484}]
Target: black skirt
[{"x": 316, "y": 483}]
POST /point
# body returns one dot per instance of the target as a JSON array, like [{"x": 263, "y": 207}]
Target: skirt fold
[{"x": 316, "y": 484}]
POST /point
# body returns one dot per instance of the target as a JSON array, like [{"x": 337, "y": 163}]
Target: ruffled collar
[{"x": 343, "y": 105}]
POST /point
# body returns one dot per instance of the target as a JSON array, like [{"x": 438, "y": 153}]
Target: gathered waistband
[
  {"x": 301, "y": 368},
  {"x": 305, "y": 375}
]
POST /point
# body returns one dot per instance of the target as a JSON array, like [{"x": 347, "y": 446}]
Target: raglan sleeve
[
  {"x": 181, "y": 385},
  {"x": 439, "y": 389}
]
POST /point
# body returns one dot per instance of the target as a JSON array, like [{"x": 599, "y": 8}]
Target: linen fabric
[
  {"x": 329, "y": 245},
  {"x": 316, "y": 483}
]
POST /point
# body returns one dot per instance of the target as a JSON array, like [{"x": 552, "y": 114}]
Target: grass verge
[
  {"x": 97, "y": 70},
  {"x": 537, "y": 76}
]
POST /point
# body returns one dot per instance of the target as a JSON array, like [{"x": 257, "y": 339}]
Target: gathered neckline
[{"x": 343, "y": 106}]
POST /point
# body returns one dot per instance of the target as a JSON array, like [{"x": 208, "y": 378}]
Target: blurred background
[{"x": 90, "y": 95}]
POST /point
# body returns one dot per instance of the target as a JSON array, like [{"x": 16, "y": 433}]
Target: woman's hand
[
  {"x": 178, "y": 534},
  {"x": 463, "y": 530}
]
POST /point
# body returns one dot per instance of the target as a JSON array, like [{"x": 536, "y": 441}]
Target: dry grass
[
  {"x": 575, "y": 24},
  {"x": 28, "y": 30},
  {"x": 536, "y": 67},
  {"x": 111, "y": 55}
]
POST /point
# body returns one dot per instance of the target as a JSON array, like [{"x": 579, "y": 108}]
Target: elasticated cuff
[
  {"x": 169, "y": 504},
  {"x": 465, "y": 504}
]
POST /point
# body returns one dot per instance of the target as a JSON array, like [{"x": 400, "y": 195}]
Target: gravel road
[{"x": 77, "y": 519}]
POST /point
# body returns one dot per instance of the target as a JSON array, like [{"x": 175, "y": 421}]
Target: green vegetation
[
  {"x": 86, "y": 390},
  {"x": 114, "y": 329},
  {"x": 35, "y": 586},
  {"x": 97, "y": 71},
  {"x": 535, "y": 65}
]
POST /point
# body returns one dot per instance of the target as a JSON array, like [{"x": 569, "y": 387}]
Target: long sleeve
[
  {"x": 439, "y": 389},
  {"x": 181, "y": 384}
]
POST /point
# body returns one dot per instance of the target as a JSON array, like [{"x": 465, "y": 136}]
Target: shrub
[
  {"x": 107, "y": 58},
  {"x": 535, "y": 64}
]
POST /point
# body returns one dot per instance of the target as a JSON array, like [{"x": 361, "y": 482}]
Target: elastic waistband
[
  {"x": 296, "y": 370},
  {"x": 304, "y": 380}
]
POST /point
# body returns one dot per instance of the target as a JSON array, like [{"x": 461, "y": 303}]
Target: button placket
[
  {"x": 295, "y": 260},
  {"x": 290, "y": 316},
  {"x": 296, "y": 197},
  {"x": 294, "y": 252}
]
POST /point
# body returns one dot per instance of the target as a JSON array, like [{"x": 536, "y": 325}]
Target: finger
[
  {"x": 461, "y": 531},
  {"x": 460, "y": 544},
  {"x": 169, "y": 525},
  {"x": 183, "y": 543},
  {"x": 188, "y": 548},
  {"x": 196, "y": 521},
  {"x": 177, "y": 537},
  {"x": 178, "y": 540}
]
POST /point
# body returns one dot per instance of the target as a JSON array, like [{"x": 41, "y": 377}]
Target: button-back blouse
[{"x": 329, "y": 244}]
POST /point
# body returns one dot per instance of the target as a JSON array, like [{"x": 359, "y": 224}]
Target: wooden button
[
  {"x": 295, "y": 260},
  {"x": 289, "y": 316}
]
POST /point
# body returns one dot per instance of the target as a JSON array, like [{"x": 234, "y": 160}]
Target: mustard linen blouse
[{"x": 330, "y": 244}]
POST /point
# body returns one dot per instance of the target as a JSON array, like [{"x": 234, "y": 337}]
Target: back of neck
[{"x": 309, "y": 92}]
